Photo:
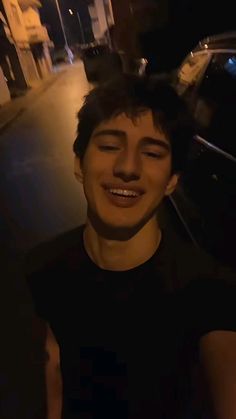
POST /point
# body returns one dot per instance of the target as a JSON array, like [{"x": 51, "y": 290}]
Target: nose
[{"x": 127, "y": 166}]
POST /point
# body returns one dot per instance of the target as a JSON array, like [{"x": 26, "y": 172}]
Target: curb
[
  {"x": 14, "y": 114},
  {"x": 10, "y": 120}
]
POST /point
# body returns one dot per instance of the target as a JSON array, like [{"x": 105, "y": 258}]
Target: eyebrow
[
  {"x": 114, "y": 132},
  {"x": 144, "y": 140}
]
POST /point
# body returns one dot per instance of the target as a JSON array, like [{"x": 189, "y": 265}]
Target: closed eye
[
  {"x": 108, "y": 147},
  {"x": 153, "y": 155}
]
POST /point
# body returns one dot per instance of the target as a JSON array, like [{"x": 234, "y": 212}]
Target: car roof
[{"x": 226, "y": 40}]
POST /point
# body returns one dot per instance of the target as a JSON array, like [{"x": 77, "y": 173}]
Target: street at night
[
  {"x": 40, "y": 196},
  {"x": 117, "y": 209}
]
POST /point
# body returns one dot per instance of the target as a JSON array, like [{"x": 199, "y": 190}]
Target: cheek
[
  {"x": 159, "y": 177},
  {"x": 92, "y": 180}
]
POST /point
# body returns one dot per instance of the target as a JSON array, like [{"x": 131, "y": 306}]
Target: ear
[
  {"x": 173, "y": 181},
  {"x": 78, "y": 172}
]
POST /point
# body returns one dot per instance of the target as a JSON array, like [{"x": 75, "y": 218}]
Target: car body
[
  {"x": 100, "y": 62},
  {"x": 205, "y": 200},
  {"x": 59, "y": 56}
]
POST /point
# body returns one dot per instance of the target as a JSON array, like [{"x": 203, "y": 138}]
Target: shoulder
[
  {"x": 189, "y": 265},
  {"x": 52, "y": 253},
  {"x": 207, "y": 290},
  {"x": 46, "y": 268}
]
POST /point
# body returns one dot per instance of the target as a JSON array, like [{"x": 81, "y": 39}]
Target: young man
[{"x": 136, "y": 314}]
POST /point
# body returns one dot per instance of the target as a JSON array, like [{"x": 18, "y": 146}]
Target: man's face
[{"x": 126, "y": 171}]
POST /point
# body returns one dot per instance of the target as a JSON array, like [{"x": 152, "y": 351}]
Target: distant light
[
  {"x": 71, "y": 12},
  {"x": 206, "y": 46}
]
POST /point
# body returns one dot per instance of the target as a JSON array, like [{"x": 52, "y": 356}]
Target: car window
[
  {"x": 215, "y": 109},
  {"x": 223, "y": 63},
  {"x": 191, "y": 71}
]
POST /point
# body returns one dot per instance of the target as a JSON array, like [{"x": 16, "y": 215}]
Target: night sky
[
  {"x": 189, "y": 21},
  {"x": 49, "y": 17}
]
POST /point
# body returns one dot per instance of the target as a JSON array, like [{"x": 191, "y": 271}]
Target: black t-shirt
[
  {"x": 21, "y": 380},
  {"x": 129, "y": 340}
]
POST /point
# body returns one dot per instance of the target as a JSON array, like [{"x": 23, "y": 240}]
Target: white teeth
[{"x": 123, "y": 192}]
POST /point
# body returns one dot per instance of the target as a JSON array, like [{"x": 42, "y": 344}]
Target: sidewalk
[
  {"x": 10, "y": 233},
  {"x": 12, "y": 110}
]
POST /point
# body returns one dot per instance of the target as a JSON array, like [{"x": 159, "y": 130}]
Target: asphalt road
[
  {"x": 39, "y": 194},
  {"x": 39, "y": 198}
]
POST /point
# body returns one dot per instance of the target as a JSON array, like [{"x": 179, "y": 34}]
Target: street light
[
  {"x": 80, "y": 24},
  {"x": 69, "y": 53},
  {"x": 61, "y": 21}
]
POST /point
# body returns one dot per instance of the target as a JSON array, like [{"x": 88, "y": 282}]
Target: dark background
[
  {"x": 187, "y": 22},
  {"x": 49, "y": 17}
]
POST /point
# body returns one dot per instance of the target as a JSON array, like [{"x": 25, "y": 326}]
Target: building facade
[
  {"x": 24, "y": 48},
  {"x": 37, "y": 34},
  {"x": 5, "y": 42},
  {"x": 102, "y": 19}
]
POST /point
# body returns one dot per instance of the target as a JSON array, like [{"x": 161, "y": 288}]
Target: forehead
[{"x": 141, "y": 126}]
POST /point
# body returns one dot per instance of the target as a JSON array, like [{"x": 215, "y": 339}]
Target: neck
[{"x": 121, "y": 255}]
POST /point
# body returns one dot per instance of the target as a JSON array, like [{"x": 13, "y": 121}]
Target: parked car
[
  {"x": 59, "y": 56},
  {"x": 206, "y": 198},
  {"x": 100, "y": 62}
]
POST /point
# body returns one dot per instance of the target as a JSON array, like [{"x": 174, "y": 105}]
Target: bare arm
[
  {"x": 218, "y": 358},
  {"x": 53, "y": 378}
]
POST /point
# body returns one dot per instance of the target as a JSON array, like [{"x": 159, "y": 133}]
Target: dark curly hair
[{"x": 133, "y": 95}]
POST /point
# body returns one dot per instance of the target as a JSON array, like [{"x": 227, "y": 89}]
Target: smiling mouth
[
  {"x": 124, "y": 193},
  {"x": 123, "y": 197}
]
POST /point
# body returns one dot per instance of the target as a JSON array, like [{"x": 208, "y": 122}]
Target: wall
[
  {"x": 28, "y": 66},
  {"x": 95, "y": 22},
  {"x": 4, "y": 92},
  {"x": 124, "y": 34},
  {"x": 101, "y": 15},
  {"x": 110, "y": 17},
  {"x": 15, "y": 21},
  {"x": 31, "y": 17}
]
